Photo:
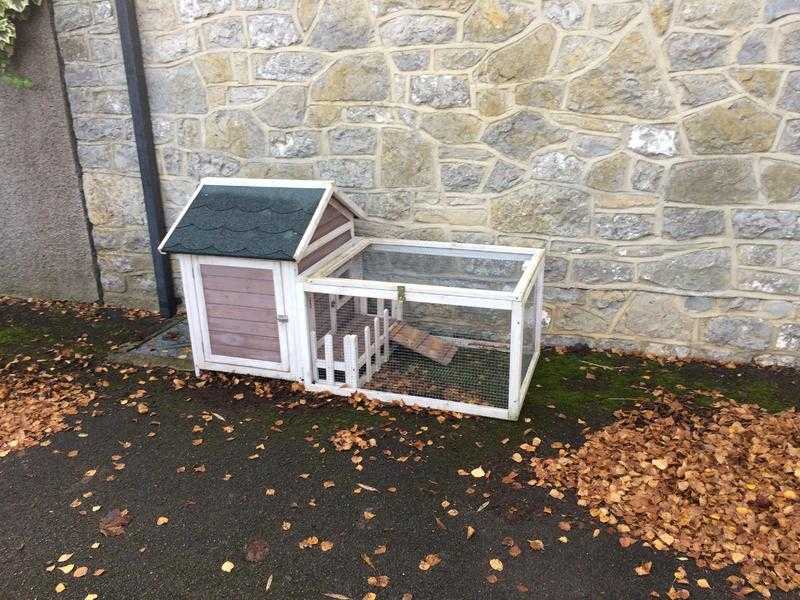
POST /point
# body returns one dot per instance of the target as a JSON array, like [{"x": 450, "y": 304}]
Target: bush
[{"x": 11, "y": 12}]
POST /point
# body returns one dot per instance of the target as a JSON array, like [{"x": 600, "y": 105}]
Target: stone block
[
  {"x": 739, "y": 332},
  {"x": 359, "y": 77},
  {"x": 717, "y": 181},
  {"x": 767, "y": 224},
  {"x": 497, "y": 20},
  {"x": 691, "y": 51},
  {"x": 342, "y": 24},
  {"x": 413, "y": 30},
  {"x": 698, "y": 271},
  {"x": 522, "y": 133},
  {"x": 461, "y": 177},
  {"x": 601, "y": 271},
  {"x": 557, "y": 166},
  {"x": 542, "y": 208},
  {"x": 352, "y": 140},
  {"x": 690, "y": 223},
  {"x": 347, "y": 172},
  {"x": 623, "y": 226},
  {"x": 440, "y": 91}
]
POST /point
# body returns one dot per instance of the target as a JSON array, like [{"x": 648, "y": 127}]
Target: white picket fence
[{"x": 376, "y": 350}]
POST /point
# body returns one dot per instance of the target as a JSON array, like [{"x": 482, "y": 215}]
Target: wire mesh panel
[
  {"x": 407, "y": 266},
  {"x": 439, "y": 326},
  {"x": 453, "y": 353}
]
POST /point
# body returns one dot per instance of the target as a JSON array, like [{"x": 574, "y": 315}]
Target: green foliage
[{"x": 11, "y": 12}]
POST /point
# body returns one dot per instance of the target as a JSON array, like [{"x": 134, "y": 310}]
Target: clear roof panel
[{"x": 441, "y": 267}]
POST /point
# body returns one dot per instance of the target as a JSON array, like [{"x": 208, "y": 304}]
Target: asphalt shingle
[{"x": 246, "y": 222}]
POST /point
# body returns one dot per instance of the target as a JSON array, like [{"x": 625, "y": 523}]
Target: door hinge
[{"x": 283, "y": 319}]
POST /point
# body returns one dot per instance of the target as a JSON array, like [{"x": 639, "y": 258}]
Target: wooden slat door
[{"x": 242, "y": 308}]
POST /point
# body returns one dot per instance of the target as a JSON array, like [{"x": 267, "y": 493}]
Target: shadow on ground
[{"x": 265, "y": 466}]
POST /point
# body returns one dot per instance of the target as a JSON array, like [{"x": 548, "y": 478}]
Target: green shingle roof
[{"x": 245, "y": 221}]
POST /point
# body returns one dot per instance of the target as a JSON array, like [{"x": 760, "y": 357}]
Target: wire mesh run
[
  {"x": 407, "y": 266},
  {"x": 454, "y": 353}
]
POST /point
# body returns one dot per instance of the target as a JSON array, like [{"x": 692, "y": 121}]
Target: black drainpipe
[{"x": 146, "y": 151}]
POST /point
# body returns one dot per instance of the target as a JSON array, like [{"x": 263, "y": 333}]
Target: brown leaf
[
  {"x": 644, "y": 568},
  {"x": 80, "y": 572},
  {"x": 496, "y": 564},
  {"x": 114, "y": 522},
  {"x": 256, "y": 550}
]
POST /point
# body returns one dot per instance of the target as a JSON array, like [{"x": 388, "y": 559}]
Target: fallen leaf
[
  {"x": 64, "y": 557},
  {"x": 470, "y": 531},
  {"x": 227, "y": 566},
  {"x": 478, "y": 472},
  {"x": 60, "y": 587},
  {"x": 80, "y": 572},
  {"x": 114, "y": 523},
  {"x": 381, "y": 581},
  {"x": 162, "y": 521},
  {"x": 644, "y": 568},
  {"x": 256, "y": 550},
  {"x": 496, "y": 564},
  {"x": 703, "y": 583},
  {"x": 325, "y": 545},
  {"x": 536, "y": 544},
  {"x": 67, "y": 569},
  {"x": 429, "y": 561}
]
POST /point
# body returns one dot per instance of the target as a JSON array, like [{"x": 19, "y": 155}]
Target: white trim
[
  {"x": 275, "y": 267},
  {"x": 247, "y": 370},
  {"x": 349, "y": 204},
  {"x": 335, "y": 259},
  {"x": 414, "y": 292},
  {"x": 192, "y": 310},
  {"x": 515, "y": 359},
  {"x": 179, "y": 218},
  {"x": 415, "y": 401},
  {"x": 328, "y": 237},
  {"x": 480, "y": 248},
  {"x": 314, "y": 222}
]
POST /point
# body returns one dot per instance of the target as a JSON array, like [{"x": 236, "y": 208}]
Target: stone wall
[
  {"x": 650, "y": 145},
  {"x": 45, "y": 249}
]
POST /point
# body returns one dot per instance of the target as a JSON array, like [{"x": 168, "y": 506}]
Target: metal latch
[
  {"x": 401, "y": 293},
  {"x": 283, "y": 319}
]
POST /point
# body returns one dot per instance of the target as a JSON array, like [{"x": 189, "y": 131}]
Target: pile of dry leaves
[
  {"x": 35, "y": 404},
  {"x": 719, "y": 485}
]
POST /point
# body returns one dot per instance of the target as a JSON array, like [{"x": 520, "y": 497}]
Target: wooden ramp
[{"x": 422, "y": 342}]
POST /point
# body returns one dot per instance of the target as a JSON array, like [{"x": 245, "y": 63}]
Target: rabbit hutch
[{"x": 277, "y": 284}]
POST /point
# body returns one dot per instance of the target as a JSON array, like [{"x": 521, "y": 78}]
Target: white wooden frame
[
  {"x": 203, "y": 357},
  {"x": 323, "y": 278}
]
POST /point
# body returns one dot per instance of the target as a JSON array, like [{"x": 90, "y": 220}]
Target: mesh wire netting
[
  {"x": 408, "y": 267},
  {"x": 459, "y": 353}
]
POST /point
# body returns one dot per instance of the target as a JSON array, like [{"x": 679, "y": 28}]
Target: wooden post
[
  {"x": 329, "y": 376},
  {"x": 351, "y": 360},
  {"x": 515, "y": 361},
  {"x": 376, "y": 324},
  {"x": 333, "y": 308},
  {"x": 385, "y": 334},
  {"x": 537, "y": 311},
  {"x": 367, "y": 354},
  {"x": 314, "y": 357},
  {"x": 381, "y": 304}
]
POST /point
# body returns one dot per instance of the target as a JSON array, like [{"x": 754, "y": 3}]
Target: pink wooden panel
[
  {"x": 313, "y": 258},
  {"x": 241, "y": 313},
  {"x": 253, "y": 286},
  {"x": 331, "y": 219},
  {"x": 242, "y": 318},
  {"x": 240, "y": 298},
  {"x": 242, "y": 340},
  {"x": 268, "y": 328},
  {"x": 235, "y": 351},
  {"x": 241, "y": 272}
]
